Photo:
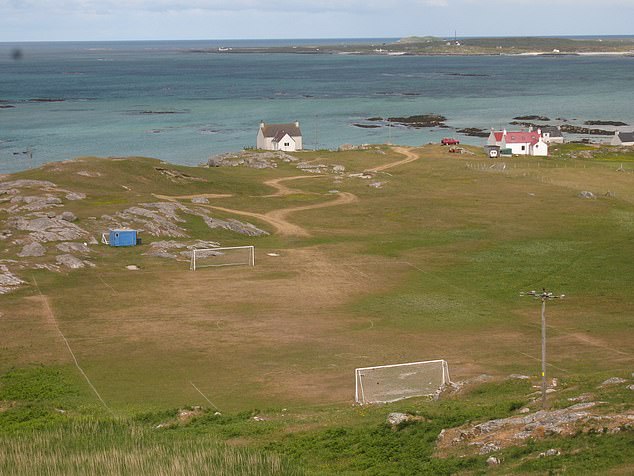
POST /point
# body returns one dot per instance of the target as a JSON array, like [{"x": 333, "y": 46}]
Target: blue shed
[{"x": 122, "y": 238}]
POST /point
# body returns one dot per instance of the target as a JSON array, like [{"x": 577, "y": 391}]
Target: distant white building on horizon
[{"x": 285, "y": 137}]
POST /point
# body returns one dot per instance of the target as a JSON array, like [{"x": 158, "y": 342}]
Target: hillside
[{"x": 123, "y": 356}]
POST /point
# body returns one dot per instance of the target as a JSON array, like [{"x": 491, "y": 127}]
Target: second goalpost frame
[
  {"x": 194, "y": 263},
  {"x": 359, "y": 373}
]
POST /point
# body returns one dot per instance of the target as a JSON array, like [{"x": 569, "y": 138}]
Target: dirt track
[
  {"x": 406, "y": 151},
  {"x": 283, "y": 190},
  {"x": 278, "y": 218}
]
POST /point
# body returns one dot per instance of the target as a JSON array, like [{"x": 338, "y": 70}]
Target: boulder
[
  {"x": 550, "y": 452},
  {"x": 73, "y": 247},
  {"x": 70, "y": 261},
  {"x": 586, "y": 194},
  {"x": 68, "y": 216},
  {"x": 613, "y": 381},
  {"x": 32, "y": 249},
  {"x": 200, "y": 200},
  {"x": 493, "y": 461},
  {"x": 75, "y": 196},
  {"x": 489, "y": 448},
  {"x": 396, "y": 418}
]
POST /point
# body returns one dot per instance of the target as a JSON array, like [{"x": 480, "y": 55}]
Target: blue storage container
[{"x": 123, "y": 238}]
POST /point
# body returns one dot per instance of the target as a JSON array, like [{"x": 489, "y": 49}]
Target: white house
[
  {"x": 552, "y": 135},
  {"x": 286, "y": 137},
  {"x": 623, "y": 138},
  {"x": 520, "y": 143}
]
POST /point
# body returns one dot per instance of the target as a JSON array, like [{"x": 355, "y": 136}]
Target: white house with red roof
[
  {"x": 286, "y": 137},
  {"x": 520, "y": 143}
]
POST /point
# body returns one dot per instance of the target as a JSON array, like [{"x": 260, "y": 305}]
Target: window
[
  {"x": 523, "y": 147},
  {"x": 286, "y": 144}
]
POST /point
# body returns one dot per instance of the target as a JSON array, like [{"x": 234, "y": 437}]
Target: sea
[{"x": 184, "y": 101}]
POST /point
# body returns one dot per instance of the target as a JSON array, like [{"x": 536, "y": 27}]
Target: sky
[{"x": 94, "y": 20}]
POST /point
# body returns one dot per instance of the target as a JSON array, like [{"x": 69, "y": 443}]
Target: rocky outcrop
[
  {"x": 45, "y": 229},
  {"x": 32, "y": 249},
  {"x": 420, "y": 121},
  {"x": 251, "y": 159},
  {"x": 235, "y": 226},
  {"x": 8, "y": 281},
  {"x": 498, "y": 434},
  {"x": 72, "y": 262},
  {"x": 72, "y": 247}
]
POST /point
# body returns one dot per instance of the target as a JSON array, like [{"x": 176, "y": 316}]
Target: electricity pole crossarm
[{"x": 543, "y": 296}]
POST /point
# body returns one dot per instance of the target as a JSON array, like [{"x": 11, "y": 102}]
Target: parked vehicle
[{"x": 449, "y": 141}]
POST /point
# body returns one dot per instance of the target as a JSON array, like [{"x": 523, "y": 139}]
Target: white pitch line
[
  {"x": 204, "y": 396},
  {"x": 50, "y": 312}
]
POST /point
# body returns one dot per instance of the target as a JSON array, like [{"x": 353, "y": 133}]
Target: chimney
[
  {"x": 297, "y": 124},
  {"x": 539, "y": 131},
  {"x": 530, "y": 128},
  {"x": 504, "y": 132},
  {"x": 261, "y": 124}
]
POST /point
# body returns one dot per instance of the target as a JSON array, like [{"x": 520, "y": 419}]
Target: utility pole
[{"x": 544, "y": 296}]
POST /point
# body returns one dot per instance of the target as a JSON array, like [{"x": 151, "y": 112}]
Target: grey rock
[
  {"x": 518, "y": 377},
  {"x": 586, "y": 194},
  {"x": 493, "y": 461},
  {"x": 75, "y": 196},
  {"x": 86, "y": 173},
  {"x": 234, "y": 225},
  {"x": 489, "y": 448},
  {"x": 53, "y": 201},
  {"x": 24, "y": 183},
  {"x": 73, "y": 247},
  {"x": 68, "y": 216},
  {"x": 630, "y": 387},
  {"x": 159, "y": 253},
  {"x": 70, "y": 261},
  {"x": 8, "y": 281},
  {"x": 581, "y": 398},
  {"x": 338, "y": 169},
  {"x": 44, "y": 229},
  {"x": 396, "y": 418},
  {"x": 550, "y": 452},
  {"x": 32, "y": 249},
  {"x": 376, "y": 184},
  {"x": 613, "y": 381},
  {"x": 200, "y": 200},
  {"x": 524, "y": 410}
]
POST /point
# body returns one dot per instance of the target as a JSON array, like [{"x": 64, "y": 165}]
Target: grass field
[{"x": 430, "y": 265}]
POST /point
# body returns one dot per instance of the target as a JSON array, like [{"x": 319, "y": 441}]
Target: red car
[{"x": 449, "y": 141}]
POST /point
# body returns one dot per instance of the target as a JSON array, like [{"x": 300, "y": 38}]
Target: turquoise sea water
[{"x": 159, "y": 99}]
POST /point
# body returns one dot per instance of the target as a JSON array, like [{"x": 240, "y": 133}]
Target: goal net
[
  {"x": 389, "y": 383},
  {"x": 230, "y": 256}
]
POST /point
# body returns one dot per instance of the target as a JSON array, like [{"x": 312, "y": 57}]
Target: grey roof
[
  {"x": 626, "y": 136},
  {"x": 554, "y": 131},
  {"x": 275, "y": 130}
]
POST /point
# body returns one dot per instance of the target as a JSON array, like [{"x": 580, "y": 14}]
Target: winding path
[
  {"x": 409, "y": 157},
  {"x": 278, "y": 219}
]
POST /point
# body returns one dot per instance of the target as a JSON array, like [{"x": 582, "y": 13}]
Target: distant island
[{"x": 431, "y": 45}]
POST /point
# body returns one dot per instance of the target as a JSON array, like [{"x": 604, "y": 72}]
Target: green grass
[{"x": 428, "y": 266}]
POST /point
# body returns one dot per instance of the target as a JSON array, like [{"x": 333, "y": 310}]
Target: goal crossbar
[
  {"x": 389, "y": 383},
  {"x": 220, "y": 251}
]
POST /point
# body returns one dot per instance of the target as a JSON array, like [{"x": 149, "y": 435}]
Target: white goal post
[
  {"x": 389, "y": 383},
  {"x": 228, "y": 256}
]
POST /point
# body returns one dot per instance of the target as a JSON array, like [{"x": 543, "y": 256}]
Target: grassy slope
[{"x": 434, "y": 260}]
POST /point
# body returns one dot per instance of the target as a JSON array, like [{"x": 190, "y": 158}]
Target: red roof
[{"x": 531, "y": 138}]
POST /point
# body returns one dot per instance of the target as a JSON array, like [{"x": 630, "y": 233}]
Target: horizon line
[{"x": 624, "y": 35}]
